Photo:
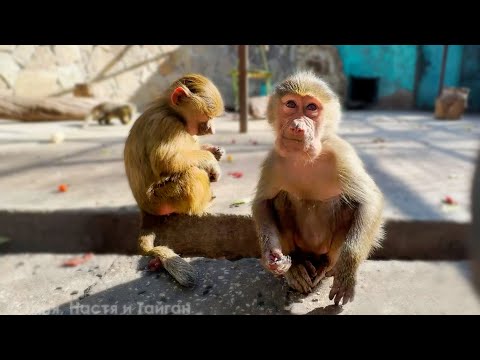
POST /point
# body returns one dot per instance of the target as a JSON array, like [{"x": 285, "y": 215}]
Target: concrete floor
[
  {"x": 108, "y": 284},
  {"x": 415, "y": 160}
]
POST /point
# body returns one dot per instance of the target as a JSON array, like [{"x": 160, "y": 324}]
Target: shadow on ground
[{"x": 224, "y": 287}]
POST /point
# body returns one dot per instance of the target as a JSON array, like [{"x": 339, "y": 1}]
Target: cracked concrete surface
[{"x": 38, "y": 284}]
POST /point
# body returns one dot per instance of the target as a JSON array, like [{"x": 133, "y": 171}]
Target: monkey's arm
[
  {"x": 178, "y": 153},
  {"x": 366, "y": 232},
  {"x": 263, "y": 215}
]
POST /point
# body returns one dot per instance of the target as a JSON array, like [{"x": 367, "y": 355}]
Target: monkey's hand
[
  {"x": 217, "y": 151},
  {"x": 343, "y": 285},
  {"x": 274, "y": 261}
]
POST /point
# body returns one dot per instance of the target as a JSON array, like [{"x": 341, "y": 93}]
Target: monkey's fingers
[
  {"x": 339, "y": 291},
  {"x": 218, "y": 152},
  {"x": 319, "y": 278},
  {"x": 349, "y": 296},
  {"x": 311, "y": 269},
  {"x": 301, "y": 279},
  {"x": 303, "y": 273},
  {"x": 297, "y": 281},
  {"x": 330, "y": 273}
]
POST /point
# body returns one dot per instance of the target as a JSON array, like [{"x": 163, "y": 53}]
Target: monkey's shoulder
[{"x": 338, "y": 147}]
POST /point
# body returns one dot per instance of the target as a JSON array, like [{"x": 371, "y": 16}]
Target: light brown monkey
[
  {"x": 106, "y": 111},
  {"x": 317, "y": 211},
  {"x": 167, "y": 169}
]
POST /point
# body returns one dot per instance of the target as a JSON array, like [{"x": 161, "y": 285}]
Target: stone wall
[{"x": 138, "y": 73}]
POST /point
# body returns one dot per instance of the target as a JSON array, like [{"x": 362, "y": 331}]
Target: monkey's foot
[
  {"x": 214, "y": 174},
  {"x": 182, "y": 271},
  {"x": 155, "y": 264},
  {"x": 299, "y": 278},
  {"x": 319, "y": 275},
  {"x": 343, "y": 287},
  {"x": 277, "y": 263}
]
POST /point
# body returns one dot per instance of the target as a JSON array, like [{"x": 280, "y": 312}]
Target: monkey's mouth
[{"x": 298, "y": 140}]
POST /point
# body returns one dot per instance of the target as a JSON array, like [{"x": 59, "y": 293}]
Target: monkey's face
[
  {"x": 298, "y": 125},
  {"x": 199, "y": 124}
]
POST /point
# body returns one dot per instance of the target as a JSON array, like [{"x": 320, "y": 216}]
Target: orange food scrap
[{"x": 62, "y": 187}]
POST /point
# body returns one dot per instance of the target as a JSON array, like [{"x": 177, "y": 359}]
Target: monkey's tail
[{"x": 182, "y": 271}]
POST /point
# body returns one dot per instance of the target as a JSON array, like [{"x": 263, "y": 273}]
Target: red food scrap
[
  {"x": 236, "y": 174},
  {"x": 78, "y": 260},
  {"x": 274, "y": 258},
  {"x": 449, "y": 200},
  {"x": 154, "y": 265}
]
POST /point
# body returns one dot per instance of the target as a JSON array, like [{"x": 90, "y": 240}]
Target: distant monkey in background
[{"x": 106, "y": 111}]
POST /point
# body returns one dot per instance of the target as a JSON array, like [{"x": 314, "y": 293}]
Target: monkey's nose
[{"x": 296, "y": 130}]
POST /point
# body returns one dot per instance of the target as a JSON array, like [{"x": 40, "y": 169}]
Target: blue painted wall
[
  {"x": 393, "y": 64},
  {"x": 430, "y": 65}
]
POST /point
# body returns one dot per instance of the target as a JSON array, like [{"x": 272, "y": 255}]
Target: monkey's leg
[
  {"x": 125, "y": 119},
  {"x": 301, "y": 272},
  {"x": 184, "y": 193},
  {"x": 332, "y": 257},
  {"x": 180, "y": 270},
  {"x": 87, "y": 121}
]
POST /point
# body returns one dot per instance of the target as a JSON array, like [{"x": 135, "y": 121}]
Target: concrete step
[
  {"x": 116, "y": 231},
  {"x": 106, "y": 284}
]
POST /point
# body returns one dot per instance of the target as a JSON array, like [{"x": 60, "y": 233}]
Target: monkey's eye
[
  {"x": 312, "y": 107},
  {"x": 290, "y": 104}
]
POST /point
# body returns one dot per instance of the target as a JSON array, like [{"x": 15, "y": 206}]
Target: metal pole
[
  {"x": 442, "y": 71},
  {"x": 243, "y": 86},
  {"x": 419, "y": 65}
]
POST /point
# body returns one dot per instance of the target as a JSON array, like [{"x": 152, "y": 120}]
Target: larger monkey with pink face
[{"x": 317, "y": 211}]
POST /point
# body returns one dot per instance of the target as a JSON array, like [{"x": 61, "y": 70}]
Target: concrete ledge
[{"x": 115, "y": 231}]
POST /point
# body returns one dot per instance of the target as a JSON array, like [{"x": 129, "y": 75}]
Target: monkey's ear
[{"x": 177, "y": 95}]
